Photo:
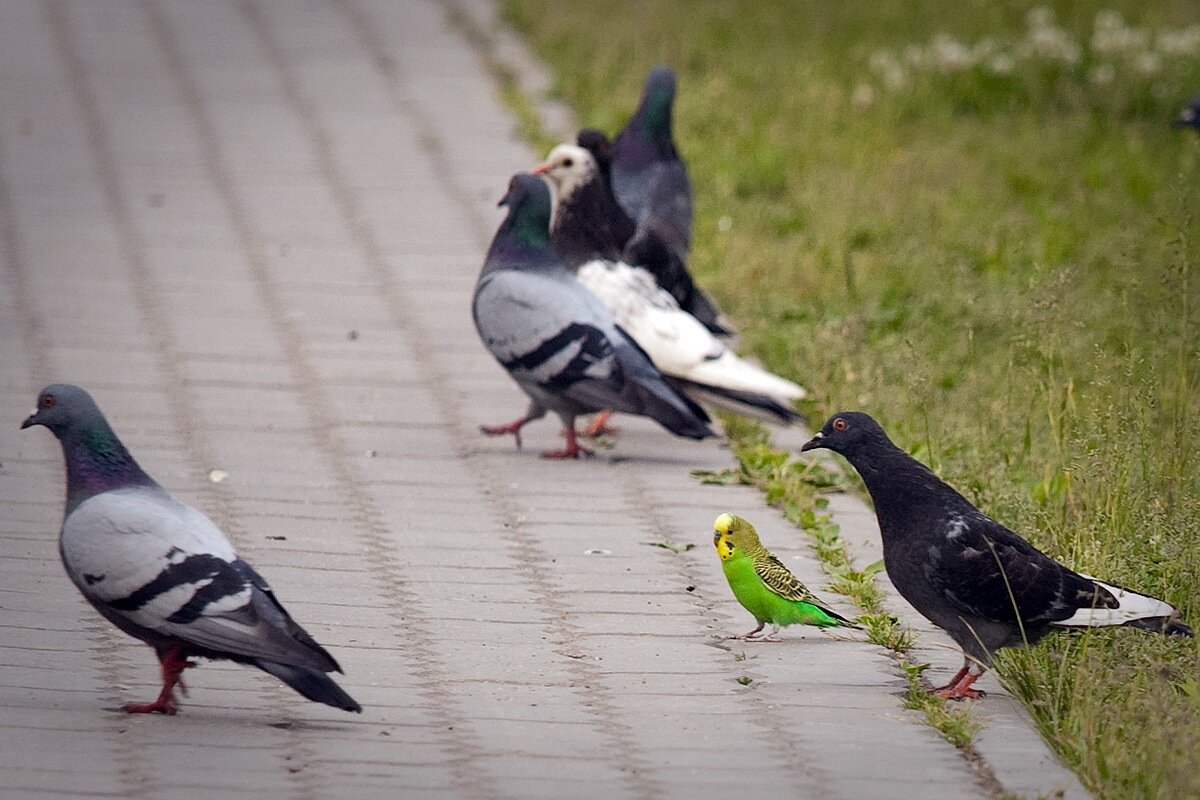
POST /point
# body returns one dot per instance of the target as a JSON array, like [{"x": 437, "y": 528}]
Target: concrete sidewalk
[{"x": 251, "y": 229}]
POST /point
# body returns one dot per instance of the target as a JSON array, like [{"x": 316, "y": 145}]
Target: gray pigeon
[
  {"x": 163, "y": 572},
  {"x": 557, "y": 340},
  {"x": 968, "y": 574}
]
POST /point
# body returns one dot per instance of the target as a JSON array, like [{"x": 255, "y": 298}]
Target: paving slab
[{"x": 251, "y": 229}]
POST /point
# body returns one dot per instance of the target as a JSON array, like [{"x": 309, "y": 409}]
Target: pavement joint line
[
  {"x": 627, "y": 761},
  {"x": 369, "y": 522},
  {"x": 146, "y": 293}
]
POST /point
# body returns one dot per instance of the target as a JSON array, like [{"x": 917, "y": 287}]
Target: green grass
[{"x": 986, "y": 240}]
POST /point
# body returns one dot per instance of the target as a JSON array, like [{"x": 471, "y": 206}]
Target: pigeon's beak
[
  {"x": 30, "y": 421},
  {"x": 542, "y": 168},
  {"x": 813, "y": 443}
]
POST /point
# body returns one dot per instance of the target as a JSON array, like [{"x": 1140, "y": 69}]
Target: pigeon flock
[{"x": 585, "y": 299}]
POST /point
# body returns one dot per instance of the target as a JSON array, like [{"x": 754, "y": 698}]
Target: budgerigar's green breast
[{"x": 767, "y": 606}]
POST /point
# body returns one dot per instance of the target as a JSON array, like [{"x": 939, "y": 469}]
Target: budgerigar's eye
[{"x": 839, "y": 424}]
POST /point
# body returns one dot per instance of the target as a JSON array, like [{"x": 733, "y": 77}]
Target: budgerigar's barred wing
[
  {"x": 159, "y": 565},
  {"x": 780, "y": 580}
]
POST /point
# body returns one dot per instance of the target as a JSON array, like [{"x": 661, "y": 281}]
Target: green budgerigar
[{"x": 764, "y": 586}]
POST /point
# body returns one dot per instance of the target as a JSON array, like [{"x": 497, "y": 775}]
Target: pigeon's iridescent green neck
[
  {"x": 656, "y": 116},
  {"x": 98, "y": 462}
]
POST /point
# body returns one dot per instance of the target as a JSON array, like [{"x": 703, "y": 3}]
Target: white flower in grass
[
  {"x": 1179, "y": 42},
  {"x": 950, "y": 54},
  {"x": 1148, "y": 63},
  {"x": 1102, "y": 74},
  {"x": 1108, "y": 19},
  {"x": 1001, "y": 63},
  {"x": 1054, "y": 44},
  {"x": 863, "y": 96},
  {"x": 1040, "y": 17},
  {"x": 914, "y": 55}
]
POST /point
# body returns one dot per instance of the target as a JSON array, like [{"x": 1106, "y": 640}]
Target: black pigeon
[
  {"x": 968, "y": 574},
  {"x": 678, "y": 344},
  {"x": 556, "y": 339},
  {"x": 163, "y": 572},
  {"x": 651, "y": 183},
  {"x": 1189, "y": 117}
]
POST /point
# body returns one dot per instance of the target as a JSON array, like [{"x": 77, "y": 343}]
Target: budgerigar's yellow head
[{"x": 731, "y": 533}]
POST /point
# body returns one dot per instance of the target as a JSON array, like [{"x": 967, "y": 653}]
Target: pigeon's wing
[
  {"x": 780, "y": 580},
  {"x": 675, "y": 340},
  {"x": 548, "y": 332},
  {"x": 985, "y": 570},
  {"x": 165, "y": 567},
  {"x": 668, "y": 209}
]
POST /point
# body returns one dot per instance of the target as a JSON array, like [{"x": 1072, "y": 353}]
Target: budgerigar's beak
[{"x": 813, "y": 443}]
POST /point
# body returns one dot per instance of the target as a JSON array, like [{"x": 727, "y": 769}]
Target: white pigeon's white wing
[{"x": 677, "y": 343}]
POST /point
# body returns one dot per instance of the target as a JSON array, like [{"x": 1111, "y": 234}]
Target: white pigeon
[{"x": 678, "y": 343}]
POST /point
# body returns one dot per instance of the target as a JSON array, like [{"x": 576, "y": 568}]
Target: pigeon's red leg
[
  {"x": 599, "y": 426},
  {"x": 960, "y": 690},
  {"x": 513, "y": 427},
  {"x": 572, "y": 450},
  {"x": 958, "y": 676},
  {"x": 172, "y": 665}
]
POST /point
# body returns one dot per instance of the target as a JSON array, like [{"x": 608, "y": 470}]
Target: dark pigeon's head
[
  {"x": 61, "y": 406},
  {"x": 660, "y": 86},
  {"x": 1189, "y": 117},
  {"x": 567, "y": 169},
  {"x": 847, "y": 433}
]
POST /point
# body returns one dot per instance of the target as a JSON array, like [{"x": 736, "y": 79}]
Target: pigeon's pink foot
[
  {"x": 599, "y": 426},
  {"x": 961, "y": 690},
  {"x": 513, "y": 427},
  {"x": 172, "y": 664},
  {"x": 958, "y": 676},
  {"x": 572, "y": 450}
]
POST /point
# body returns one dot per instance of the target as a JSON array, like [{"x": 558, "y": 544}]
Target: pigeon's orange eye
[
  {"x": 839, "y": 424},
  {"x": 48, "y": 401}
]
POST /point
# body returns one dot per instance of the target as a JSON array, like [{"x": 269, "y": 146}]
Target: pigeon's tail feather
[
  {"x": 730, "y": 372},
  {"x": 1132, "y": 609},
  {"x": 313, "y": 684},
  {"x": 666, "y": 405},
  {"x": 1168, "y": 625},
  {"x": 751, "y": 404}
]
